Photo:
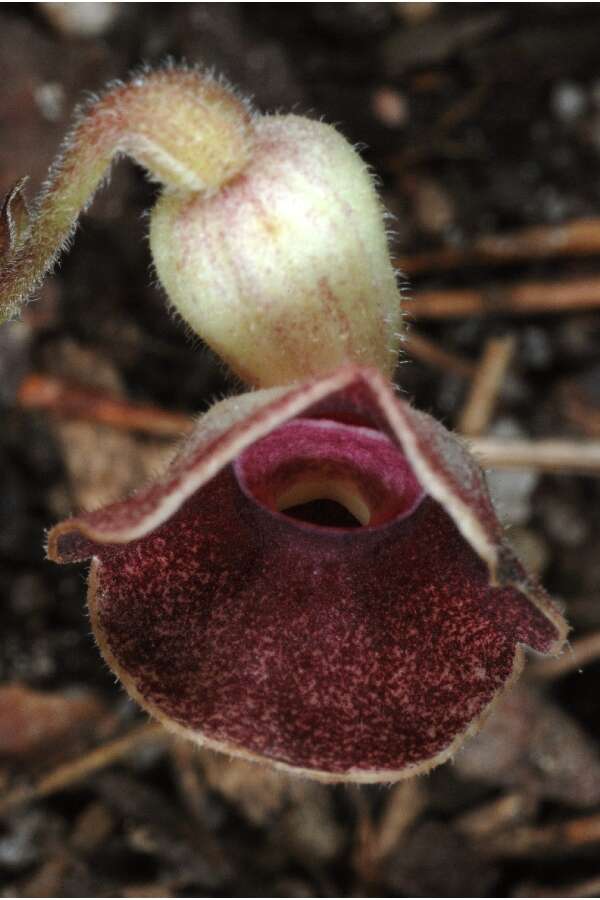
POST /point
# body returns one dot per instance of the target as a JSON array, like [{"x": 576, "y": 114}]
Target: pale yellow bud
[
  {"x": 284, "y": 271},
  {"x": 268, "y": 237}
]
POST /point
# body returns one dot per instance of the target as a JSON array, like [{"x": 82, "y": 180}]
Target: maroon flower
[
  {"x": 319, "y": 579},
  {"x": 242, "y": 609}
]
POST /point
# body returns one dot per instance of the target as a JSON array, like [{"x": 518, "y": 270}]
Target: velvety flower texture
[{"x": 242, "y": 609}]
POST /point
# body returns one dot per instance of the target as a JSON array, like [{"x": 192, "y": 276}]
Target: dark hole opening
[{"x": 327, "y": 513}]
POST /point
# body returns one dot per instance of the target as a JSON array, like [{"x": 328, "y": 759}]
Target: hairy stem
[{"x": 188, "y": 131}]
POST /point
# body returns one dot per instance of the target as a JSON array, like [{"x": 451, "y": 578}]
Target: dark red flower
[{"x": 241, "y": 609}]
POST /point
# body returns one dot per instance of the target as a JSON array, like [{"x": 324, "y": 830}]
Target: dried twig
[
  {"x": 363, "y": 856},
  {"x": 579, "y": 457},
  {"x": 580, "y": 653},
  {"x": 405, "y": 804},
  {"x": 522, "y": 298},
  {"x": 574, "y": 457},
  {"x": 75, "y": 770},
  {"x": 190, "y": 788},
  {"x": 564, "y": 837},
  {"x": 68, "y": 400},
  {"x": 578, "y": 238},
  {"x": 481, "y": 400},
  {"x": 427, "y": 351},
  {"x": 495, "y": 815}
]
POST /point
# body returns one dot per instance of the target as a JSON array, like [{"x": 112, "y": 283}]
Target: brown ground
[{"x": 480, "y": 119}]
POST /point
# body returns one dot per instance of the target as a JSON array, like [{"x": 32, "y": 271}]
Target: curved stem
[{"x": 190, "y": 132}]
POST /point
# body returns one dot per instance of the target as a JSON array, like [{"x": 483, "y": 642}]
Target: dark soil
[{"x": 478, "y": 118}]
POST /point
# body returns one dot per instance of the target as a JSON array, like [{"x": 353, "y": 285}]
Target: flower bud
[
  {"x": 268, "y": 237},
  {"x": 284, "y": 271}
]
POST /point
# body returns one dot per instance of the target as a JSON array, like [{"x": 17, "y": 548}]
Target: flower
[
  {"x": 319, "y": 579},
  {"x": 241, "y": 610}
]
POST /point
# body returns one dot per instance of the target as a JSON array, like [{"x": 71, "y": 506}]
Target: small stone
[
  {"x": 551, "y": 204},
  {"x": 433, "y": 208},
  {"x": 511, "y": 492},
  {"x": 80, "y": 20},
  {"x": 50, "y": 97},
  {"x": 511, "y": 489},
  {"x": 390, "y": 107},
  {"x": 23, "y": 840},
  {"x": 568, "y": 102}
]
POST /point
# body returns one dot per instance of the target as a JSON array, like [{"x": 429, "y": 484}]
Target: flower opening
[
  {"x": 360, "y": 654},
  {"x": 309, "y": 461}
]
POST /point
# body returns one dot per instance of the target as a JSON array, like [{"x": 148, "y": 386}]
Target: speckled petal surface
[{"x": 362, "y": 653}]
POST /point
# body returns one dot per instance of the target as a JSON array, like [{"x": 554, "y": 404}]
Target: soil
[{"x": 479, "y": 119}]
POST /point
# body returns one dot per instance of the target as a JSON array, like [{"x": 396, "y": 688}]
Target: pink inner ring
[{"x": 312, "y": 459}]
